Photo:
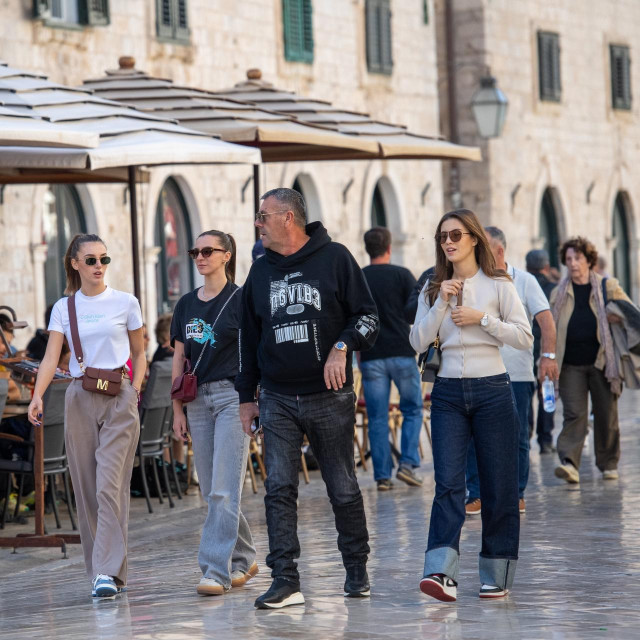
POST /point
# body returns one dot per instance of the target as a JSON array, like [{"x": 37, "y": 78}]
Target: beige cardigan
[{"x": 472, "y": 351}]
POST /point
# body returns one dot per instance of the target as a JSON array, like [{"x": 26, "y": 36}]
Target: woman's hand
[
  {"x": 613, "y": 318},
  {"x": 34, "y": 412},
  {"x": 450, "y": 288},
  {"x": 180, "y": 427},
  {"x": 465, "y": 316}
]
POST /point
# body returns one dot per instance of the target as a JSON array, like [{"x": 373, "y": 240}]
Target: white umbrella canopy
[{"x": 394, "y": 141}]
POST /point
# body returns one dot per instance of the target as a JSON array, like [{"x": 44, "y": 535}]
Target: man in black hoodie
[{"x": 306, "y": 308}]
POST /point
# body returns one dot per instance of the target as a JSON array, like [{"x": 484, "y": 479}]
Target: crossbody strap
[
  {"x": 75, "y": 336},
  {"x": 212, "y": 326}
]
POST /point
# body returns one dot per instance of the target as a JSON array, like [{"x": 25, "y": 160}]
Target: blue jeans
[
  {"x": 327, "y": 419},
  {"x": 482, "y": 408},
  {"x": 522, "y": 392},
  {"x": 220, "y": 450},
  {"x": 376, "y": 379}
]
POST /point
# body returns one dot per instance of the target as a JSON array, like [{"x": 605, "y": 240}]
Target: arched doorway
[
  {"x": 62, "y": 219},
  {"x": 173, "y": 235},
  {"x": 549, "y": 227},
  {"x": 305, "y": 184},
  {"x": 622, "y": 246},
  {"x": 378, "y": 209}
]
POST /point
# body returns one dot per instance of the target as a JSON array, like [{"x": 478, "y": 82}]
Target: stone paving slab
[{"x": 578, "y": 575}]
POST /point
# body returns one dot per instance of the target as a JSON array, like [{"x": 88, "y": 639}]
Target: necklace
[{"x": 204, "y": 298}]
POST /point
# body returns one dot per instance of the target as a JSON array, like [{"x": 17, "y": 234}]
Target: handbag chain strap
[{"x": 212, "y": 326}]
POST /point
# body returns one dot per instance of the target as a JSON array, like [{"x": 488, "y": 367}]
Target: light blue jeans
[
  {"x": 376, "y": 379},
  {"x": 220, "y": 449}
]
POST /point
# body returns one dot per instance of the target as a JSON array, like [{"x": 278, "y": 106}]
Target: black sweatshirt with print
[{"x": 295, "y": 308}]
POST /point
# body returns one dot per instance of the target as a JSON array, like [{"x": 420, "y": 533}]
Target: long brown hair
[
  {"x": 228, "y": 244},
  {"x": 73, "y": 277},
  {"x": 484, "y": 257}
]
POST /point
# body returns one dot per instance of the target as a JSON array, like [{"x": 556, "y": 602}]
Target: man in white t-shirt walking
[{"x": 519, "y": 365}]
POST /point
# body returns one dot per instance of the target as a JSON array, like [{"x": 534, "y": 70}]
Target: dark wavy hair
[
  {"x": 484, "y": 257},
  {"x": 582, "y": 245}
]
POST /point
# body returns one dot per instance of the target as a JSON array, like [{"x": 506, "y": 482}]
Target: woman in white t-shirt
[
  {"x": 101, "y": 431},
  {"x": 474, "y": 309}
]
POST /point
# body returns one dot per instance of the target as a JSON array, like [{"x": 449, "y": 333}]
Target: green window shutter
[
  {"x": 425, "y": 11},
  {"x": 181, "y": 21},
  {"x": 164, "y": 18},
  {"x": 378, "y": 32},
  {"x": 42, "y": 8},
  {"x": 620, "y": 77},
  {"x": 549, "y": 66},
  {"x": 297, "y": 20},
  {"x": 94, "y": 12}
]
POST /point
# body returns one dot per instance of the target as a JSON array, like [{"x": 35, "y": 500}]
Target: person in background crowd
[
  {"x": 474, "y": 309},
  {"x": 391, "y": 359},
  {"x": 306, "y": 308},
  {"x": 164, "y": 351},
  {"x": 537, "y": 262},
  {"x": 520, "y": 366},
  {"x": 38, "y": 344},
  {"x": 601, "y": 267},
  {"x": 101, "y": 431},
  {"x": 257, "y": 250},
  {"x": 7, "y": 328},
  {"x": 205, "y": 328},
  {"x": 587, "y": 361}
]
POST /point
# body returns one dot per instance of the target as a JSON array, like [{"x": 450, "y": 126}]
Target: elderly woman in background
[{"x": 586, "y": 361}]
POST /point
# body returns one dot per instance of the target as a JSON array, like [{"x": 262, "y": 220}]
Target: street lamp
[{"x": 489, "y": 106}]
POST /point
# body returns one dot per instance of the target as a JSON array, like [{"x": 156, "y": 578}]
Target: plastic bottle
[{"x": 548, "y": 395}]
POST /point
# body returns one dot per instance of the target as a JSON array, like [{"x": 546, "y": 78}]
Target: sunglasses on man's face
[
  {"x": 205, "y": 251},
  {"x": 92, "y": 261},
  {"x": 455, "y": 235}
]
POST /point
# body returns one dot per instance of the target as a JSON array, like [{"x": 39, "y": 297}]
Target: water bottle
[{"x": 548, "y": 395}]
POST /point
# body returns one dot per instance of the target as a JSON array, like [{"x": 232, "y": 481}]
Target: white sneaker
[
  {"x": 440, "y": 587},
  {"x": 568, "y": 473},
  {"x": 610, "y": 474},
  {"x": 210, "y": 587},
  {"x": 492, "y": 591}
]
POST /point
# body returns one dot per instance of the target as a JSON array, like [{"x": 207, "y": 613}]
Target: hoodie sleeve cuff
[{"x": 246, "y": 395}]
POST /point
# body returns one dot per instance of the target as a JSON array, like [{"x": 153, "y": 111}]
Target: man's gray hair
[
  {"x": 497, "y": 234},
  {"x": 291, "y": 199},
  {"x": 537, "y": 259}
]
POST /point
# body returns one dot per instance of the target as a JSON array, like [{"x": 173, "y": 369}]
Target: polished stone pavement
[{"x": 578, "y": 574}]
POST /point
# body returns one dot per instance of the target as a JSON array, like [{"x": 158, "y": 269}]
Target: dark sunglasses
[
  {"x": 92, "y": 261},
  {"x": 455, "y": 235},
  {"x": 206, "y": 252}
]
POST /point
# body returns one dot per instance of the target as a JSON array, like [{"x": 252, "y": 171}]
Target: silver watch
[
  {"x": 551, "y": 356},
  {"x": 485, "y": 320}
]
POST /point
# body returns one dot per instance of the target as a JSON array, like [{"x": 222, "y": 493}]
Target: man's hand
[
  {"x": 248, "y": 412},
  {"x": 613, "y": 318},
  {"x": 465, "y": 316},
  {"x": 549, "y": 368},
  {"x": 335, "y": 369}
]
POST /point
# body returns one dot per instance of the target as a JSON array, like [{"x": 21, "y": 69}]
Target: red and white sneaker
[
  {"x": 491, "y": 591},
  {"x": 440, "y": 587}
]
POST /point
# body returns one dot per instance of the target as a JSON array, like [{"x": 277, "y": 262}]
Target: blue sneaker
[{"x": 104, "y": 587}]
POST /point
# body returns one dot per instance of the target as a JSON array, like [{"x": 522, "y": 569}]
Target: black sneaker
[
  {"x": 440, "y": 587},
  {"x": 385, "y": 484},
  {"x": 406, "y": 474},
  {"x": 357, "y": 583},
  {"x": 281, "y": 593}
]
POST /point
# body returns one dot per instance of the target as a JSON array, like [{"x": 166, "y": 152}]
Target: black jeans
[{"x": 327, "y": 420}]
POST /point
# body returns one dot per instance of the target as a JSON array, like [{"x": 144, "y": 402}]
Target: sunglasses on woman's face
[
  {"x": 92, "y": 261},
  {"x": 454, "y": 234},
  {"x": 206, "y": 252}
]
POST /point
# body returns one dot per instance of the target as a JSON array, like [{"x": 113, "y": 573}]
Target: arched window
[
  {"x": 305, "y": 184},
  {"x": 622, "y": 247},
  {"x": 549, "y": 227},
  {"x": 378, "y": 211},
  {"x": 62, "y": 219},
  {"x": 173, "y": 236}
]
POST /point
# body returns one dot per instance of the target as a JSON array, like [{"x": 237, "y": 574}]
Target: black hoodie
[{"x": 294, "y": 309}]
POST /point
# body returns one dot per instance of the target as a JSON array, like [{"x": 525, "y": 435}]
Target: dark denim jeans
[
  {"x": 544, "y": 422},
  {"x": 482, "y": 408},
  {"x": 522, "y": 392},
  {"x": 327, "y": 419},
  {"x": 376, "y": 379}
]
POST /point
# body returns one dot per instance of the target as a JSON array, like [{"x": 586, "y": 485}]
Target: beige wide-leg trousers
[{"x": 101, "y": 436}]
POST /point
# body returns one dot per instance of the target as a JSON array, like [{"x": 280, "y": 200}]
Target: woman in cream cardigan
[{"x": 474, "y": 309}]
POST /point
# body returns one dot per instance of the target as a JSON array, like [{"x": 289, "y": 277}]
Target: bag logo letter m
[{"x": 103, "y": 385}]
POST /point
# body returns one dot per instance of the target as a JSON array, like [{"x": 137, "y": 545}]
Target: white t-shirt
[
  {"x": 519, "y": 363},
  {"x": 103, "y": 322}
]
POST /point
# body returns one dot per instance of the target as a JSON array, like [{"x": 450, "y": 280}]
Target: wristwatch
[
  {"x": 551, "y": 356},
  {"x": 341, "y": 346},
  {"x": 484, "y": 320}
]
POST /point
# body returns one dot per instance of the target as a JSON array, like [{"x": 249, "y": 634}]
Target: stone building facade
[
  {"x": 564, "y": 163},
  {"x": 211, "y": 46}
]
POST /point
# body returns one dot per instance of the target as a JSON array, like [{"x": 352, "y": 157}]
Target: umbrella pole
[
  {"x": 135, "y": 252},
  {"x": 256, "y": 196}
]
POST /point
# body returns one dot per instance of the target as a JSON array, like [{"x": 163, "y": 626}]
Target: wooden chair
[
  {"x": 361, "y": 410},
  {"x": 254, "y": 450},
  {"x": 426, "y": 416}
]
